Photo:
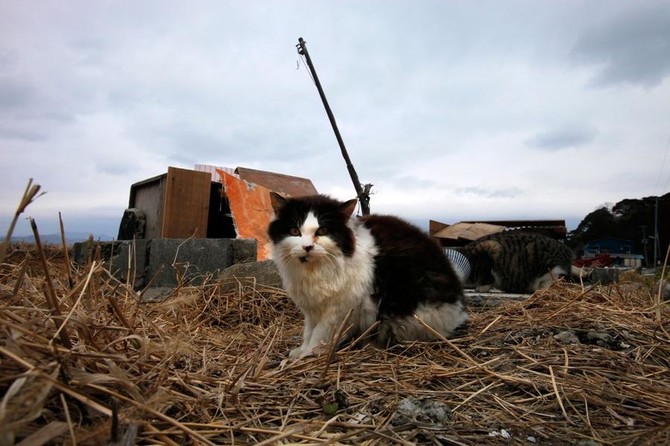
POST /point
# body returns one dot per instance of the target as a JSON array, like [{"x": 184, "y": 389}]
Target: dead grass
[{"x": 210, "y": 367}]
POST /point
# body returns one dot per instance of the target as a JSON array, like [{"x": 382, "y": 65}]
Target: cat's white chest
[{"x": 335, "y": 279}]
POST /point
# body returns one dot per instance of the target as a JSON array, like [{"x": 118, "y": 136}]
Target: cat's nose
[{"x": 308, "y": 248}]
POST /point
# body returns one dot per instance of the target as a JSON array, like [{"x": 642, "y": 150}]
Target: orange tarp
[{"x": 251, "y": 210}]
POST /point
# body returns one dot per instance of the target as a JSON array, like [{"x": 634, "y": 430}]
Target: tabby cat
[
  {"x": 517, "y": 262},
  {"x": 380, "y": 268}
]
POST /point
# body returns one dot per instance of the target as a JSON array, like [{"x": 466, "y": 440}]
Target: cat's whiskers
[
  {"x": 332, "y": 258},
  {"x": 287, "y": 257},
  {"x": 330, "y": 263}
]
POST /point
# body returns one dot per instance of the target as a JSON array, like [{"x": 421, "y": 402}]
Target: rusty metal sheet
[
  {"x": 251, "y": 210},
  {"x": 287, "y": 185}
]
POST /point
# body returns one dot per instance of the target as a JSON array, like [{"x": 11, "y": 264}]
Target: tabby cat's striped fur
[{"x": 517, "y": 262}]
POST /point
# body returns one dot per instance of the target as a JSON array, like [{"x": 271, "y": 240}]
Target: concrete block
[
  {"x": 126, "y": 259},
  {"x": 177, "y": 261},
  {"x": 82, "y": 252},
  {"x": 244, "y": 250},
  {"x": 255, "y": 274},
  {"x": 130, "y": 262},
  {"x": 168, "y": 262}
]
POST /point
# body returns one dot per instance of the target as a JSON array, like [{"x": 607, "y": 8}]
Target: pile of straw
[{"x": 84, "y": 361}]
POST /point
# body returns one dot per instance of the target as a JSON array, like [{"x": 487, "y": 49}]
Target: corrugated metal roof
[{"x": 467, "y": 231}]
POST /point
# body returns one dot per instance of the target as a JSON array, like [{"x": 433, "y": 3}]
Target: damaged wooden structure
[
  {"x": 219, "y": 202},
  {"x": 210, "y": 202}
]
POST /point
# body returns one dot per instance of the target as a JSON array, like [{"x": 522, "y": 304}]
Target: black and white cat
[{"x": 380, "y": 268}]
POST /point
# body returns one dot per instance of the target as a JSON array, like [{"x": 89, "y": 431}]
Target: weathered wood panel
[
  {"x": 186, "y": 204},
  {"x": 148, "y": 195}
]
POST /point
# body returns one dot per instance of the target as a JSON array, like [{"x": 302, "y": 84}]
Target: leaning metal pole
[
  {"x": 363, "y": 192},
  {"x": 657, "y": 244}
]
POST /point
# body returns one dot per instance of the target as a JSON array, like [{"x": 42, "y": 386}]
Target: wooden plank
[
  {"x": 434, "y": 226},
  {"x": 186, "y": 205},
  {"x": 491, "y": 299},
  {"x": 467, "y": 231},
  {"x": 149, "y": 196}
]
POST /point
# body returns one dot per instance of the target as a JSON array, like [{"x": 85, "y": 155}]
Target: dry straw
[
  {"x": 569, "y": 365},
  {"x": 83, "y": 360},
  {"x": 29, "y": 195}
]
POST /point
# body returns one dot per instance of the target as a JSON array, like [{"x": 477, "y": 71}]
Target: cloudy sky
[{"x": 454, "y": 110}]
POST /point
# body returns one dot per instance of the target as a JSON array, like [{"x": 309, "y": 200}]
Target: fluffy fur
[
  {"x": 378, "y": 268},
  {"x": 517, "y": 262}
]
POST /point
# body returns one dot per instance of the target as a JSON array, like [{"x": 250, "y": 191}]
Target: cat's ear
[
  {"x": 278, "y": 202},
  {"x": 349, "y": 207}
]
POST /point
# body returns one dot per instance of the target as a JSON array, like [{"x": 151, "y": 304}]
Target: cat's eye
[
  {"x": 322, "y": 231},
  {"x": 294, "y": 232}
]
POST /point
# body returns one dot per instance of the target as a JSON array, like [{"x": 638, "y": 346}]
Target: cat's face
[{"x": 309, "y": 230}]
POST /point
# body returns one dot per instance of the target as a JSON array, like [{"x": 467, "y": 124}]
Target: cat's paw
[
  {"x": 299, "y": 353},
  {"x": 304, "y": 352},
  {"x": 295, "y": 353}
]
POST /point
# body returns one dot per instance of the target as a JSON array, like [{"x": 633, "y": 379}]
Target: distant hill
[
  {"x": 629, "y": 219},
  {"x": 70, "y": 238}
]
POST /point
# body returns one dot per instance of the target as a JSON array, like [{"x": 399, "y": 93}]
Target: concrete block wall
[{"x": 169, "y": 262}]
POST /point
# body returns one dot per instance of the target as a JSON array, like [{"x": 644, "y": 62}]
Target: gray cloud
[
  {"x": 448, "y": 93},
  {"x": 8, "y": 59},
  {"x": 631, "y": 47},
  {"x": 116, "y": 168},
  {"x": 409, "y": 182},
  {"x": 562, "y": 138},
  {"x": 14, "y": 93},
  {"x": 10, "y": 133},
  {"x": 510, "y": 192}
]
